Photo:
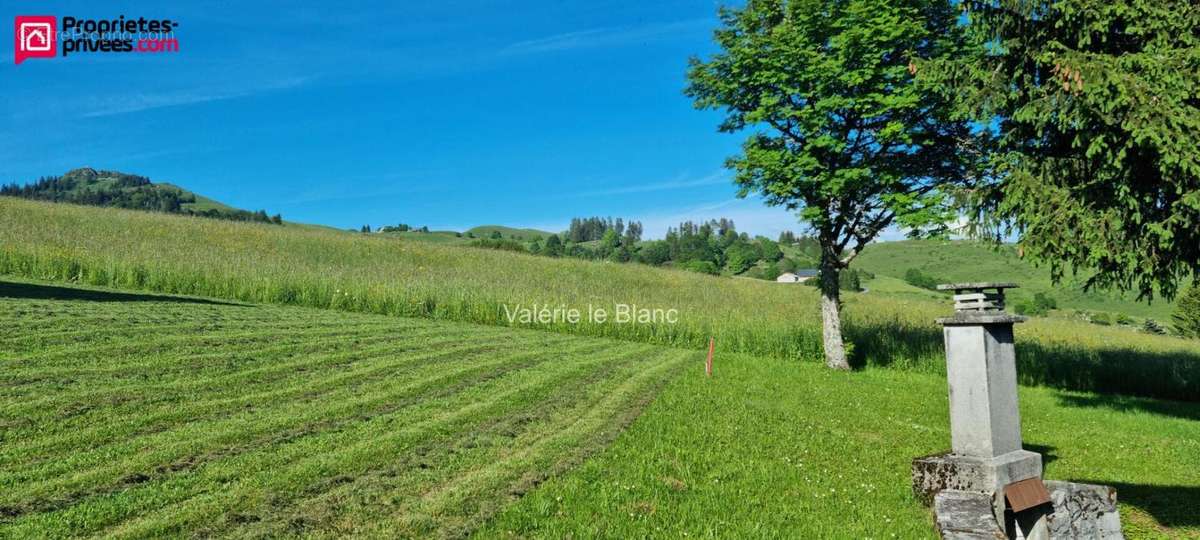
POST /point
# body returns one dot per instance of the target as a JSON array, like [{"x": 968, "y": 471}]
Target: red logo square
[{"x": 36, "y": 37}]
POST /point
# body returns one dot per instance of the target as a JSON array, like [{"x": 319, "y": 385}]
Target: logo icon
[{"x": 37, "y": 37}]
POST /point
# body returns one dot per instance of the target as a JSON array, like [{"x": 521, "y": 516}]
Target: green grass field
[
  {"x": 138, "y": 415},
  {"x": 772, "y": 449},
  {"x": 133, "y": 415},
  {"x": 323, "y": 268}
]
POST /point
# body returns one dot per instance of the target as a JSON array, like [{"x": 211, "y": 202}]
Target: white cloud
[
  {"x": 135, "y": 102},
  {"x": 678, "y": 183},
  {"x": 603, "y": 37}
]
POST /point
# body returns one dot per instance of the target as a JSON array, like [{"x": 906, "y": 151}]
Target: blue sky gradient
[{"x": 447, "y": 114}]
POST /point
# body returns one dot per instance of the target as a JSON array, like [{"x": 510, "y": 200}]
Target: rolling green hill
[
  {"x": 121, "y": 190},
  {"x": 527, "y": 235},
  {"x": 461, "y": 238},
  {"x": 963, "y": 260},
  {"x": 375, "y": 274},
  {"x": 200, "y": 203},
  {"x": 437, "y": 237}
]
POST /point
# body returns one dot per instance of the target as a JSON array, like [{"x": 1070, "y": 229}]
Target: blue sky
[{"x": 448, "y": 114}]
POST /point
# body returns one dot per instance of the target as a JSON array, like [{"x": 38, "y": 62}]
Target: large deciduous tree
[
  {"x": 841, "y": 131},
  {"x": 1096, "y": 104}
]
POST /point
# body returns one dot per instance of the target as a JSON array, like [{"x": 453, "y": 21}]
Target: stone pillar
[
  {"x": 985, "y": 423},
  {"x": 988, "y": 486},
  {"x": 981, "y": 372}
]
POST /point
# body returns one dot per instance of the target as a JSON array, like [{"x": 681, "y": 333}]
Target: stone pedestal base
[
  {"x": 931, "y": 474},
  {"x": 967, "y": 495}
]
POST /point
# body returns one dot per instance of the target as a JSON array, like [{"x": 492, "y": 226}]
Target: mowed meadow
[
  {"x": 144, "y": 416},
  {"x": 301, "y": 381},
  {"x": 325, "y": 268}
]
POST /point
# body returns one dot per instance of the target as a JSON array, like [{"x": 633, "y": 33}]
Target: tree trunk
[{"x": 831, "y": 316}]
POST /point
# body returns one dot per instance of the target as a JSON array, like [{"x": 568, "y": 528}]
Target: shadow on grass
[
  {"x": 51, "y": 292},
  {"x": 1112, "y": 370},
  {"x": 896, "y": 345},
  {"x": 1171, "y": 506},
  {"x": 1047, "y": 452},
  {"x": 1176, "y": 409}
]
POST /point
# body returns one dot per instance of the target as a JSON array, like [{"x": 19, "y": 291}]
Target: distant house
[{"x": 799, "y": 276}]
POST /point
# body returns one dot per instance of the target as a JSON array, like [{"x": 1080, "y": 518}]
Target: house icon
[{"x": 35, "y": 37}]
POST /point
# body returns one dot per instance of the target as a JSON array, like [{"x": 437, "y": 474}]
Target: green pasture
[{"x": 322, "y": 268}]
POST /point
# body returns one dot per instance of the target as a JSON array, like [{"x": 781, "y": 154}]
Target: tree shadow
[
  {"x": 50, "y": 292},
  {"x": 1176, "y": 409},
  {"x": 1112, "y": 370},
  {"x": 1171, "y": 506},
  {"x": 895, "y": 345},
  {"x": 1047, "y": 452}
]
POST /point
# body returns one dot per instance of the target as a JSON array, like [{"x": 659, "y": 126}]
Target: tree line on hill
[
  {"x": 402, "y": 227},
  {"x": 710, "y": 247},
  {"x": 594, "y": 228},
  {"x": 125, "y": 191}
]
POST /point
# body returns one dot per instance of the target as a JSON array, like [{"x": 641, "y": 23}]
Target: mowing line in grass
[
  {"x": 221, "y": 406},
  {"x": 305, "y": 460},
  {"x": 531, "y": 451},
  {"x": 124, "y": 342},
  {"x": 173, "y": 444},
  {"x": 260, "y": 364},
  {"x": 371, "y": 497}
]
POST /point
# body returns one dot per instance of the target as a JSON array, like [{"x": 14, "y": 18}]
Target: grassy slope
[
  {"x": 138, "y": 415},
  {"x": 770, "y": 449},
  {"x": 972, "y": 261},
  {"x": 203, "y": 203},
  {"x": 371, "y": 273},
  {"x": 436, "y": 237}
]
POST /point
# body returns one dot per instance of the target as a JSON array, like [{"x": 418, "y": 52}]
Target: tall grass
[{"x": 354, "y": 272}]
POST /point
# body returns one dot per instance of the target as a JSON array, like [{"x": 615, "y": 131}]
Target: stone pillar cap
[
  {"x": 977, "y": 285},
  {"x": 968, "y": 318}
]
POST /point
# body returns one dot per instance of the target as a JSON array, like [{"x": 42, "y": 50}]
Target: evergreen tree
[
  {"x": 1096, "y": 160},
  {"x": 554, "y": 247},
  {"x": 1187, "y": 313},
  {"x": 633, "y": 233}
]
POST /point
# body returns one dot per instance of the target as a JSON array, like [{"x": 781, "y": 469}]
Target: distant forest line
[{"x": 710, "y": 247}]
